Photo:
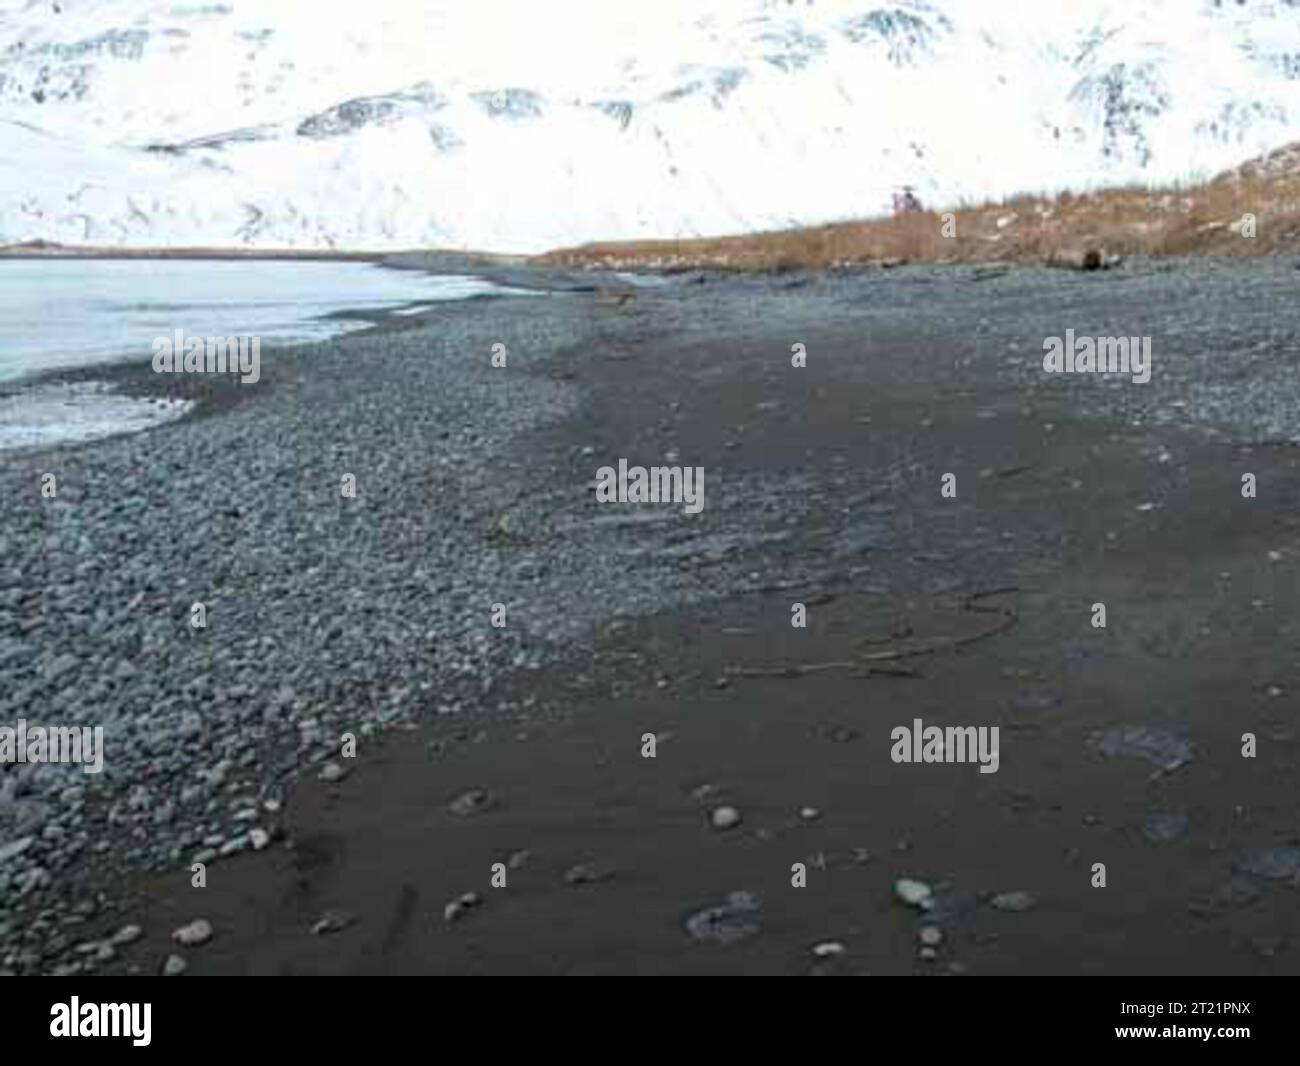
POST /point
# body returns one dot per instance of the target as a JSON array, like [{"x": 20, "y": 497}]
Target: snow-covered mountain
[{"x": 520, "y": 125}]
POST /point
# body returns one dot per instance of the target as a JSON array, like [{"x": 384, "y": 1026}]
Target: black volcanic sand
[{"x": 1070, "y": 491}]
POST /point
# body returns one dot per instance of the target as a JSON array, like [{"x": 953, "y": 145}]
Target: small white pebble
[
  {"x": 192, "y": 935},
  {"x": 460, "y": 905},
  {"x": 128, "y": 934},
  {"x": 725, "y": 818},
  {"x": 913, "y": 893}
]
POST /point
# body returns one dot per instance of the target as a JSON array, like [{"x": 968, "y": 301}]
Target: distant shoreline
[
  {"x": 46, "y": 250},
  {"x": 42, "y": 250},
  {"x": 509, "y": 270}
]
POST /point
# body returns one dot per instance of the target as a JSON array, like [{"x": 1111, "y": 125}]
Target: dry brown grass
[{"x": 1194, "y": 220}]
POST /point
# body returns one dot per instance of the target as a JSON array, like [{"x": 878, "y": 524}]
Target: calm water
[{"x": 70, "y": 312}]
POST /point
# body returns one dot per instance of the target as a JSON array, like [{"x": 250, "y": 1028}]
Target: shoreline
[
  {"x": 823, "y": 488},
  {"x": 208, "y": 394},
  {"x": 37, "y": 250}
]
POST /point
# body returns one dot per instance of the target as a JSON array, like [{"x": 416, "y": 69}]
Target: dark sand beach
[{"x": 1119, "y": 745}]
